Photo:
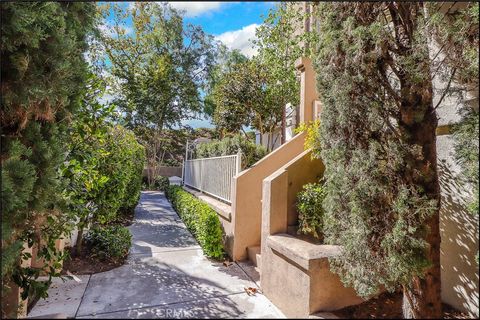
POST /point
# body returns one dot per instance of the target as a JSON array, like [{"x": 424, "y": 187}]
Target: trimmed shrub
[
  {"x": 123, "y": 165},
  {"x": 161, "y": 183},
  {"x": 109, "y": 242},
  {"x": 310, "y": 210},
  {"x": 134, "y": 185},
  {"x": 251, "y": 152},
  {"x": 200, "y": 219}
]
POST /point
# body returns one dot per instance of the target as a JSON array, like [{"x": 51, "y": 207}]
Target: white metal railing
[{"x": 212, "y": 175}]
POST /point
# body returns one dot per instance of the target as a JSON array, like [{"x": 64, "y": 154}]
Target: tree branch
[{"x": 446, "y": 89}]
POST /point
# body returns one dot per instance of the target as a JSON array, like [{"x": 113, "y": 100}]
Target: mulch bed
[
  {"x": 85, "y": 264},
  {"x": 388, "y": 306}
]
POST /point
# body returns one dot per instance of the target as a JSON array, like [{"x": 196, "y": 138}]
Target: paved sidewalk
[{"x": 166, "y": 276}]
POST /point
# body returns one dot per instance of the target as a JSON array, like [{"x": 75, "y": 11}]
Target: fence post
[
  {"x": 201, "y": 174},
  {"x": 239, "y": 160},
  {"x": 184, "y": 162},
  {"x": 183, "y": 172}
]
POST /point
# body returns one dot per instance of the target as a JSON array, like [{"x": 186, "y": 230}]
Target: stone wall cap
[{"x": 300, "y": 251}]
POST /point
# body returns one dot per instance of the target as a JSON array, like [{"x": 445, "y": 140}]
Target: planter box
[{"x": 296, "y": 277}]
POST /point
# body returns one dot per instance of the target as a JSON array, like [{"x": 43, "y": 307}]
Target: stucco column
[
  {"x": 308, "y": 92},
  {"x": 274, "y": 213}
]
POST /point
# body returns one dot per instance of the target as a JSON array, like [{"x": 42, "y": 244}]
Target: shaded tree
[
  {"x": 245, "y": 96},
  {"x": 226, "y": 61},
  {"x": 279, "y": 45},
  {"x": 157, "y": 69}
]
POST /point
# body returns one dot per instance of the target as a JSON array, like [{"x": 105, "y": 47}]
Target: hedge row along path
[{"x": 166, "y": 276}]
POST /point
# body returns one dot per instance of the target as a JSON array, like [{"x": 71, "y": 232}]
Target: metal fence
[{"x": 212, "y": 175}]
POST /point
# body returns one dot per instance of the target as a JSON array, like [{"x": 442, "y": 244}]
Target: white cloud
[
  {"x": 240, "y": 39},
  {"x": 196, "y": 8}
]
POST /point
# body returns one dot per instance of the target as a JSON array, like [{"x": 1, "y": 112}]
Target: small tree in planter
[{"x": 310, "y": 210}]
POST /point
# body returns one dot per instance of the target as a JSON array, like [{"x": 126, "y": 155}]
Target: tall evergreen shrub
[
  {"x": 42, "y": 73},
  {"x": 374, "y": 66}
]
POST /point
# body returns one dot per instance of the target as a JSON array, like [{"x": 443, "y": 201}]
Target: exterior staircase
[{"x": 255, "y": 257}]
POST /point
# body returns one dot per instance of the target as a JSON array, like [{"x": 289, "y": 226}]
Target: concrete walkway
[{"x": 166, "y": 276}]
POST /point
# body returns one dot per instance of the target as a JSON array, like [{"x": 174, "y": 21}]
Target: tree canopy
[
  {"x": 158, "y": 68},
  {"x": 253, "y": 92}
]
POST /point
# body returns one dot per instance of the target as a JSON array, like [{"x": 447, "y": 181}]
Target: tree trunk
[
  {"x": 417, "y": 124},
  {"x": 78, "y": 245},
  {"x": 422, "y": 298},
  {"x": 269, "y": 147}
]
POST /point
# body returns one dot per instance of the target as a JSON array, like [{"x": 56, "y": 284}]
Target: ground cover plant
[{"x": 109, "y": 242}]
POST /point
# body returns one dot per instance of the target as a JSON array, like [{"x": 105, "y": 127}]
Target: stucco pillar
[
  {"x": 308, "y": 92},
  {"x": 274, "y": 216}
]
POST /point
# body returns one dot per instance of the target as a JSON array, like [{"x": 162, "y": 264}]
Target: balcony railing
[{"x": 212, "y": 176}]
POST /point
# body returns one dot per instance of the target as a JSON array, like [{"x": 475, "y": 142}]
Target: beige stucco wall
[
  {"x": 279, "y": 208},
  {"x": 247, "y": 187},
  {"x": 308, "y": 91},
  {"x": 295, "y": 274},
  {"x": 247, "y": 195},
  {"x": 459, "y": 232},
  {"x": 458, "y": 227}
]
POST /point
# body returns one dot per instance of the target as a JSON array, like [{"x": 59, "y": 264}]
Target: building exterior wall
[
  {"x": 459, "y": 234},
  {"x": 458, "y": 227},
  {"x": 247, "y": 195},
  {"x": 310, "y": 285},
  {"x": 276, "y": 137}
]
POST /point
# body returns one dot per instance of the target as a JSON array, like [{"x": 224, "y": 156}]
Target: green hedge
[
  {"x": 161, "y": 183},
  {"x": 200, "y": 219}
]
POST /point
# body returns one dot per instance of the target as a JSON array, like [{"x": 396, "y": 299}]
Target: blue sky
[{"x": 233, "y": 23}]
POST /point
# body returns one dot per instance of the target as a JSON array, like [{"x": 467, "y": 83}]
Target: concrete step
[
  {"x": 258, "y": 259},
  {"x": 254, "y": 256}
]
